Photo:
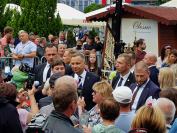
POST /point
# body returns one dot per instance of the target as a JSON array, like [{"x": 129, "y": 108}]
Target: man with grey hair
[
  {"x": 25, "y": 51},
  {"x": 168, "y": 108},
  {"x": 151, "y": 59},
  {"x": 65, "y": 104}
]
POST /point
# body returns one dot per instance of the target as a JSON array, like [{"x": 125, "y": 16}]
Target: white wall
[{"x": 141, "y": 28}]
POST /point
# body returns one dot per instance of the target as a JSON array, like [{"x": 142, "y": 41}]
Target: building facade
[
  {"x": 137, "y": 2},
  {"x": 79, "y": 4}
]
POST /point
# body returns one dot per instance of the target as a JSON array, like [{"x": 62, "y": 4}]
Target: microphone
[{"x": 36, "y": 84}]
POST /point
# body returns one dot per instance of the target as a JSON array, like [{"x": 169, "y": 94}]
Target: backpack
[{"x": 38, "y": 124}]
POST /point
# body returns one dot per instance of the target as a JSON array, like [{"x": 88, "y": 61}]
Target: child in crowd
[{"x": 109, "y": 111}]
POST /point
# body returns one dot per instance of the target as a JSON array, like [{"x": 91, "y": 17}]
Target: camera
[
  {"x": 25, "y": 68},
  {"x": 31, "y": 76}
]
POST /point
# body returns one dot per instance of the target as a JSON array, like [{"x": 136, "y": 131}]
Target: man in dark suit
[
  {"x": 150, "y": 60},
  {"x": 144, "y": 87},
  {"x": 85, "y": 79},
  {"x": 43, "y": 71},
  {"x": 123, "y": 77}
]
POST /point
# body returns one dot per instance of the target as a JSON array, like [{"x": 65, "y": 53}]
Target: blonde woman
[
  {"x": 101, "y": 91},
  {"x": 166, "y": 78},
  {"x": 152, "y": 120},
  {"x": 174, "y": 69}
]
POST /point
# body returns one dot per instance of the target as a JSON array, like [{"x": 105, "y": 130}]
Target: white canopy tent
[
  {"x": 172, "y": 3},
  {"x": 12, "y": 6},
  {"x": 71, "y": 16}
]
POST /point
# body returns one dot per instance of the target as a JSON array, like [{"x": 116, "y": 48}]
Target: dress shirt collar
[
  {"x": 132, "y": 69},
  {"x": 151, "y": 66},
  {"x": 144, "y": 84},
  {"x": 76, "y": 76},
  {"x": 125, "y": 76}
]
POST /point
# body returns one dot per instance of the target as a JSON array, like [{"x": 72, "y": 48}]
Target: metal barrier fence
[{"x": 8, "y": 61}]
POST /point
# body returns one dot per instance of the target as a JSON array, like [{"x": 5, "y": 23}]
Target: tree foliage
[
  {"x": 14, "y": 1},
  {"x": 2, "y": 16},
  {"x": 71, "y": 39},
  {"x": 38, "y": 17},
  {"x": 92, "y": 7},
  {"x": 162, "y": 1}
]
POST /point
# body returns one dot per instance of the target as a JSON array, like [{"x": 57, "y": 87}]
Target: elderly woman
[
  {"x": 101, "y": 91},
  {"x": 152, "y": 120},
  {"x": 166, "y": 78}
]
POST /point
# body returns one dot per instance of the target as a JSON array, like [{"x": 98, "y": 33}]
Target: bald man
[
  {"x": 144, "y": 87},
  {"x": 25, "y": 51},
  {"x": 168, "y": 108},
  {"x": 151, "y": 59},
  {"x": 65, "y": 103}
]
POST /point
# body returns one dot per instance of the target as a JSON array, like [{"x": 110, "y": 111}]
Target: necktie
[
  {"x": 120, "y": 82},
  {"x": 80, "y": 82},
  {"x": 80, "y": 89},
  {"x": 135, "y": 93}
]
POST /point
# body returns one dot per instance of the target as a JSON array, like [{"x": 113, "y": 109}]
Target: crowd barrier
[{"x": 8, "y": 61}]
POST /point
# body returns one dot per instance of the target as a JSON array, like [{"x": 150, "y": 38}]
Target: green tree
[
  {"x": 13, "y": 22},
  {"x": 8, "y": 13},
  {"x": 14, "y": 1},
  {"x": 93, "y": 32},
  {"x": 71, "y": 39},
  {"x": 2, "y": 22},
  {"x": 38, "y": 16},
  {"x": 92, "y": 7},
  {"x": 162, "y": 1}
]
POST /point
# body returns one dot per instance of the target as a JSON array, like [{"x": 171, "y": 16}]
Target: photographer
[{"x": 23, "y": 74}]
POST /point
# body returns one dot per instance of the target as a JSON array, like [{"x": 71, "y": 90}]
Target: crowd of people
[{"x": 69, "y": 92}]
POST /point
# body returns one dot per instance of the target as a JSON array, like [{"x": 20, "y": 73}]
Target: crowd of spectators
[{"x": 69, "y": 89}]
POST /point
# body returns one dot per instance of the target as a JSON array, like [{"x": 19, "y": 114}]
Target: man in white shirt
[
  {"x": 25, "y": 51},
  {"x": 85, "y": 79},
  {"x": 123, "y": 77}
]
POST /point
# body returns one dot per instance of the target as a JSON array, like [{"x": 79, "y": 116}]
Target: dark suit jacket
[
  {"x": 38, "y": 70},
  {"x": 87, "y": 90},
  {"x": 130, "y": 80},
  {"x": 150, "y": 89},
  {"x": 154, "y": 72}
]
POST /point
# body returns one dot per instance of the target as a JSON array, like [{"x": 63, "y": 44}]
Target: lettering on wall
[{"x": 138, "y": 26}]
